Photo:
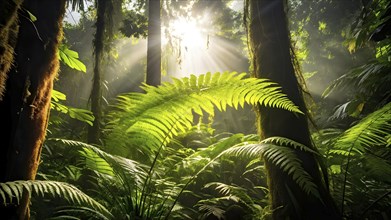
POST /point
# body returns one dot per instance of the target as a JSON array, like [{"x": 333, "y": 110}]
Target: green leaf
[
  {"x": 63, "y": 190},
  {"x": 71, "y": 58},
  {"x": 335, "y": 169},
  {"x": 370, "y": 131},
  {"x": 32, "y": 17},
  {"x": 57, "y": 95},
  {"x": 163, "y": 111},
  {"x": 81, "y": 115}
]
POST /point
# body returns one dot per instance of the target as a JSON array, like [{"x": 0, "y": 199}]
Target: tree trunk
[
  {"x": 107, "y": 21},
  {"x": 153, "y": 77},
  {"x": 8, "y": 34},
  {"x": 271, "y": 58},
  {"x": 96, "y": 92},
  {"x": 25, "y": 106}
]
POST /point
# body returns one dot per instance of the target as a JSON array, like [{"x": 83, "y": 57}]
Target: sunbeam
[{"x": 193, "y": 47}]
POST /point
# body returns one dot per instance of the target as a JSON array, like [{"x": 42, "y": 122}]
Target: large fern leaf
[
  {"x": 374, "y": 129},
  {"x": 125, "y": 184},
  {"x": 150, "y": 119},
  {"x": 364, "y": 79},
  {"x": 12, "y": 192},
  {"x": 280, "y": 151},
  {"x": 106, "y": 163}
]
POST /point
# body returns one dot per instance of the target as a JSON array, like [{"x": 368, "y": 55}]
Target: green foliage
[
  {"x": 32, "y": 17},
  {"x": 359, "y": 163},
  {"x": 237, "y": 194},
  {"x": 71, "y": 58},
  {"x": 212, "y": 173},
  {"x": 135, "y": 24},
  {"x": 105, "y": 163},
  {"x": 75, "y": 113},
  {"x": 76, "y": 4},
  {"x": 373, "y": 130},
  {"x": 366, "y": 85},
  {"x": 12, "y": 193},
  {"x": 151, "y": 119},
  {"x": 359, "y": 157},
  {"x": 280, "y": 152},
  {"x": 129, "y": 190},
  {"x": 372, "y": 21},
  {"x": 125, "y": 185},
  {"x": 208, "y": 165}
]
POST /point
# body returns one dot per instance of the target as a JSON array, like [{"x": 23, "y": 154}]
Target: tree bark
[
  {"x": 272, "y": 59},
  {"x": 108, "y": 13},
  {"x": 153, "y": 77},
  {"x": 25, "y": 106},
  {"x": 8, "y": 34},
  {"x": 96, "y": 92}
]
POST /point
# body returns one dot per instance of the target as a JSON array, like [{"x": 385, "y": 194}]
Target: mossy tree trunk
[
  {"x": 96, "y": 92},
  {"x": 108, "y": 12},
  {"x": 25, "y": 107},
  {"x": 272, "y": 58},
  {"x": 8, "y": 34},
  {"x": 153, "y": 77}
]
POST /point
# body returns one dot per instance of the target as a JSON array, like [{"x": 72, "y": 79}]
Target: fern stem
[
  {"x": 349, "y": 157},
  {"x": 374, "y": 202},
  {"x": 147, "y": 181},
  {"x": 191, "y": 180},
  {"x": 150, "y": 172},
  {"x": 345, "y": 180}
]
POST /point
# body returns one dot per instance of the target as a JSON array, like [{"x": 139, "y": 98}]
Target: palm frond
[
  {"x": 12, "y": 192},
  {"x": 163, "y": 111}
]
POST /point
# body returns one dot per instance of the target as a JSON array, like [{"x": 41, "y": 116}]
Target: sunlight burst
[
  {"x": 188, "y": 32},
  {"x": 193, "y": 46}
]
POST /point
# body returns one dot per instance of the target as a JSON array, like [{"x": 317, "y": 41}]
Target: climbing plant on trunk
[{"x": 272, "y": 58}]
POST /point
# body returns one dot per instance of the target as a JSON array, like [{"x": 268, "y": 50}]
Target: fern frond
[
  {"x": 211, "y": 210},
  {"x": 11, "y": 193},
  {"x": 362, "y": 78},
  {"x": 70, "y": 212},
  {"x": 223, "y": 188},
  {"x": 106, "y": 163},
  {"x": 163, "y": 111},
  {"x": 282, "y": 157},
  {"x": 374, "y": 129},
  {"x": 378, "y": 168},
  {"x": 282, "y": 141}
]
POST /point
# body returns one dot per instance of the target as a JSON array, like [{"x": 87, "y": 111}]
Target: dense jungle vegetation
[{"x": 195, "y": 109}]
